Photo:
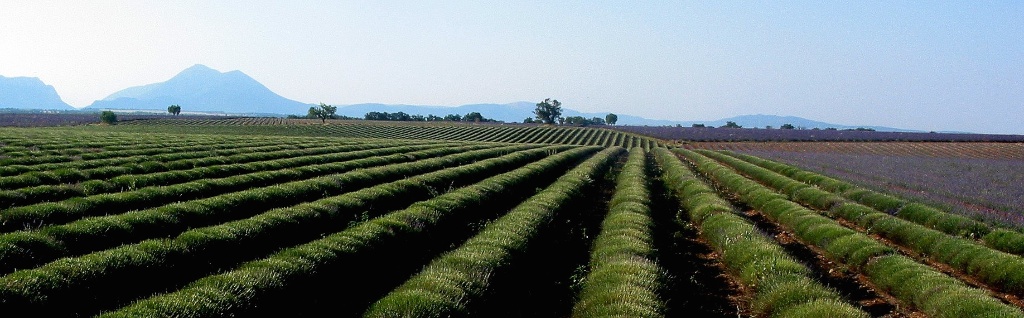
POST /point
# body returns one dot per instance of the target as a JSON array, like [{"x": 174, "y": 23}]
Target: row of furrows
[
  {"x": 421, "y": 131},
  {"x": 94, "y": 282},
  {"x": 154, "y": 195},
  {"x": 236, "y": 198},
  {"x": 368, "y": 256},
  {"x": 773, "y": 279},
  {"x": 277, "y": 257},
  {"x": 927, "y": 234},
  {"x": 926, "y": 288},
  {"x": 123, "y": 146},
  {"x": 35, "y": 188},
  {"x": 265, "y": 258}
]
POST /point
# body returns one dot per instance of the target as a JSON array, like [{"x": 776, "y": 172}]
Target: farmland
[
  {"x": 981, "y": 180},
  {"x": 274, "y": 217}
]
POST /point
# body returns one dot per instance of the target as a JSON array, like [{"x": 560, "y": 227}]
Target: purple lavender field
[
  {"x": 38, "y": 119},
  {"x": 669, "y": 133},
  {"x": 983, "y": 188}
]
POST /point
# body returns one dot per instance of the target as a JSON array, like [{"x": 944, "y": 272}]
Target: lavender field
[
  {"x": 989, "y": 189},
  {"x": 691, "y": 134}
]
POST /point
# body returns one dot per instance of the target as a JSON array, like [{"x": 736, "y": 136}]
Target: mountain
[
  {"x": 200, "y": 88},
  {"x": 760, "y": 121},
  {"x": 29, "y": 93}
]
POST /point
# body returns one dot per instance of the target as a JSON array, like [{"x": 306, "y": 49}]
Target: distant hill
[
  {"x": 29, "y": 93},
  {"x": 761, "y": 121},
  {"x": 200, "y": 88}
]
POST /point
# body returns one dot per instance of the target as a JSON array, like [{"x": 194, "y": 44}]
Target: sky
[{"x": 926, "y": 65}]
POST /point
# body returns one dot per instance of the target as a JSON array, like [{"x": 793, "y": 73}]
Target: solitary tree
[
  {"x": 732, "y": 124},
  {"x": 323, "y": 112},
  {"x": 787, "y": 126},
  {"x": 174, "y": 110},
  {"x": 611, "y": 119},
  {"x": 108, "y": 117},
  {"x": 549, "y": 111}
]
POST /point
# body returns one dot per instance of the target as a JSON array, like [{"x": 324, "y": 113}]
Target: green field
[{"x": 273, "y": 217}]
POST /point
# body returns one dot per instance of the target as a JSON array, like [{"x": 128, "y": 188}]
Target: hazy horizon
[{"x": 952, "y": 66}]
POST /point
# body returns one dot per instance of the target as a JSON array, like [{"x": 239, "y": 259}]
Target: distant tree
[
  {"x": 323, "y": 111},
  {"x": 377, "y": 116},
  {"x": 474, "y": 117},
  {"x": 108, "y": 117},
  {"x": 611, "y": 119},
  {"x": 452, "y": 117},
  {"x": 581, "y": 121},
  {"x": 697, "y": 126},
  {"x": 174, "y": 110},
  {"x": 768, "y": 127},
  {"x": 731, "y": 124},
  {"x": 528, "y": 120},
  {"x": 549, "y": 111},
  {"x": 400, "y": 116},
  {"x": 787, "y": 126},
  {"x": 432, "y": 117}
]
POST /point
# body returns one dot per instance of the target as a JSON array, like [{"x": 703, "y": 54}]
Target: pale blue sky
[{"x": 946, "y": 65}]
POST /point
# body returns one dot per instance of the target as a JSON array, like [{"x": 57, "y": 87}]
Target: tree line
[{"x": 548, "y": 111}]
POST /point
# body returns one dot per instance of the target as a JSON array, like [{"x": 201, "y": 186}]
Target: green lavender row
[
  {"x": 1001, "y": 239},
  {"x": 261, "y": 282},
  {"x": 189, "y": 160},
  {"x": 624, "y": 278},
  {"x": 111, "y": 203},
  {"x": 75, "y": 171},
  {"x": 167, "y": 159},
  {"x": 148, "y": 149},
  {"x": 205, "y": 168},
  {"x": 932, "y": 291},
  {"x": 28, "y": 248},
  {"x": 454, "y": 280},
  {"x": 782, "y": 286},
  {"x": 72, "y": 283},
  {"x": 426, "y": 131},
  {"x": 998, "y": 269}
]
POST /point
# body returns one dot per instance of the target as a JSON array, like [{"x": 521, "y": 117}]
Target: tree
[
  {"x": 731, "y": 124},
  {"x": 528, "y": 120},
  {"x": 324, "y": 112},
  {"x": 548, "y": 111},
  {"x": 698, "y": 126},
  {"x": 611, "y": 119},
  {"x": 108, "y": 117},
  {"x": 474, "y": 117},
  {"x": 174, "y": 110},
  {"x": 787, "y": 126}
]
